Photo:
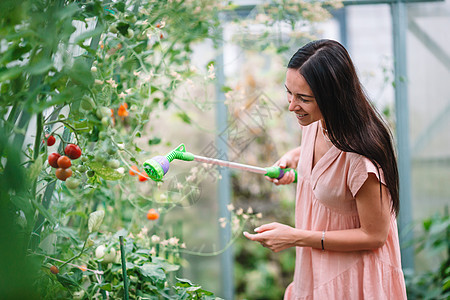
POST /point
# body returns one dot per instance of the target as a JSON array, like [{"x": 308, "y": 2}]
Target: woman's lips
[{"x": 301, "y": 116}]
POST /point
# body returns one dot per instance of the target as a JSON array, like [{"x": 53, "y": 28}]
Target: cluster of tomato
[
  {"x": 135, "y": 171},
  {"x": 62, "y": 163}
]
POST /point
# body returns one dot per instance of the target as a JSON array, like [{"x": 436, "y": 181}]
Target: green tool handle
[{"x": 277, "y": 172}]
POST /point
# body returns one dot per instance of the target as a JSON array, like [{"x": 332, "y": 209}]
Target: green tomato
[
  {"x": 113, "y": 28},
  {"x": 130, "y": 33},
  {"x": 102, "y": 135},
  {"x": 107, "y": 256},
  {"x": 72, "y": 183},
  {"x": 113, "y": 164},
  {"x": 106, "y": 121},
  {"x": 103, "y": 112},
  {"x": 111, "y": 150},
  {"x": 84, "y": 159},
  {"x": 90, "y": 173}
]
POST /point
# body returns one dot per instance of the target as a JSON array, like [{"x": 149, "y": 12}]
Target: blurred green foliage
[{"x": 434, "y": 242}]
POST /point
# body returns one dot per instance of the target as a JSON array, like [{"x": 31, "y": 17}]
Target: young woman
[{"x": 347, "y": 192}]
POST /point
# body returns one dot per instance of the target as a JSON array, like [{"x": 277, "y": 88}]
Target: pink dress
[{"x": 325, "y": 201}]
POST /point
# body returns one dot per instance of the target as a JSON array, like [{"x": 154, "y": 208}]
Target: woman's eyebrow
[{"x": 301, "y": 95}]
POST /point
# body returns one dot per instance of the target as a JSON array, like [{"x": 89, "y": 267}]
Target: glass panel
[{"x": 429, "y": 104}]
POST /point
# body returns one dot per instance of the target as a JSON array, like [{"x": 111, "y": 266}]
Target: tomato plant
[{"x": 99, "y": 76}]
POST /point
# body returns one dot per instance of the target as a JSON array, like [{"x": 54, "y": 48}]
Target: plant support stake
[{"x": 124, "y": 269}]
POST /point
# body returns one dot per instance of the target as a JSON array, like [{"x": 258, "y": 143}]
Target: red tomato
[
  {"x": 143, "y": 177},
  {"x": 53, "y": 159},
  {"x": 134, "y": 171},
  {"x": 63, "y": 174},
  {"x": 64, "y": 162},
  {"x": 152, "y": 214},
  {"x": 72, "y": 151},
  {"x": 50, "y": 140}
]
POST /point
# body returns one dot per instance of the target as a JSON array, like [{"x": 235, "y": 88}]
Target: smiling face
[{"x": 301, "y": 99}]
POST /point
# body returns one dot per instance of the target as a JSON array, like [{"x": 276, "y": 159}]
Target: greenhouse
[{"x": 199, "y": 149}]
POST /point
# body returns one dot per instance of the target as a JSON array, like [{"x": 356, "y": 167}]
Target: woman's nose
[{"x": 293, "y": 105}]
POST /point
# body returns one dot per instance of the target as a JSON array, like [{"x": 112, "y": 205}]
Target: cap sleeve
[{"x": 359, "y": 170}]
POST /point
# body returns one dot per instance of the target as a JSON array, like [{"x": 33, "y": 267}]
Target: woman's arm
[{"x": 374, "y": 214}]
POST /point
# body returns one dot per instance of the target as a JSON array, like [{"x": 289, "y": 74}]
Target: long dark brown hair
[{"x": 353, "y": 124}]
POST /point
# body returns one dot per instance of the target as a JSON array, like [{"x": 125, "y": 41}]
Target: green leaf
[
  {"x": 89, "y": 34},
  {"x": 168, "y": 267},
  {"x": 11, "y": 73},
  {"x": 44, "y": 212},
  {"x": 154, "y": 141},
  {"x": 184, "y": 117},
  {"x": 120, "y": 6},
  {"x": 42, "y": 66},
  {"x": 81, "y": 73},
  {"x": 68, "y": 11},
  {"x": 106, "y": 286},
  {"x": 153, "y": 271},
  {"x": 104, "y": 171},
  {"x": 226, "y": 89},
  {"x": 36, "y": 168},
  {"x": 95, "y": 220}
]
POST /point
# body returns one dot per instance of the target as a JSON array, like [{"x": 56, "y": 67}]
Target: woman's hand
[
  {"x": 275, "y": 236},
  {"x": 289, "y": 160}
]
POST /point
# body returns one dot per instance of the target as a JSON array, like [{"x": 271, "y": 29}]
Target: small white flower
[
  {"x": 152, "y": 251},
  {"x": 245, "y": 216},
  {"x": 230, "y": 207},
  {"x": 144, "y": 230},
  {"x": 155, "y": 239},
  {"x": 120, "y": 170},
  {"x": 221, "y": 220},
  {"x": 94, "y": 69},
  {"x": 259, "y": 215},
  {"x": 183, "y": 245},
  {"x": 250, "y": 210},
  {"x": 98, "y": 81},
  {"x": 136, "y": 73},
  {"x": 223, "y": 225},
  {"x": 112, "y": 83},
  {"x": 121, "y": 146},
  {"x": 239, "y": 212},
  {"x": 164, "y": 243},
  {"x": 122, "y": 95},
  {"x": 173, "y": 241}
]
